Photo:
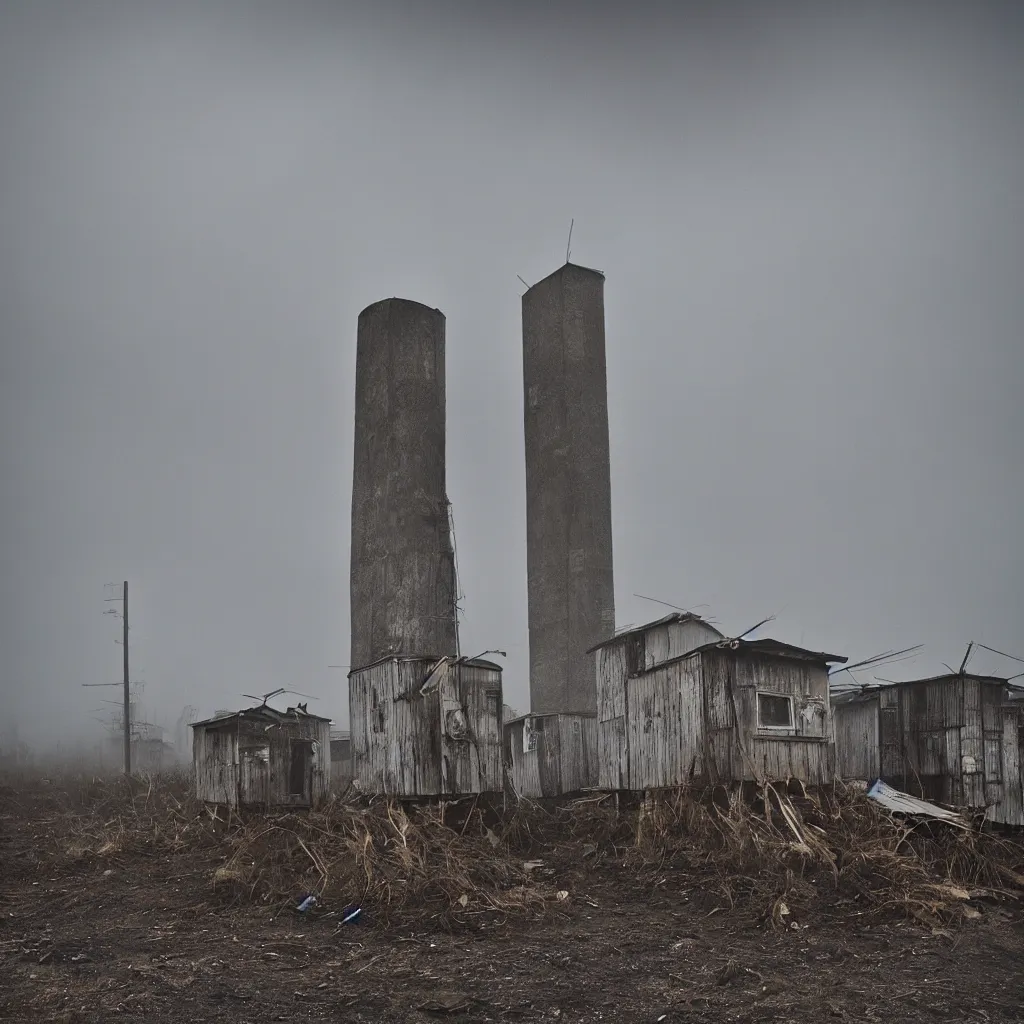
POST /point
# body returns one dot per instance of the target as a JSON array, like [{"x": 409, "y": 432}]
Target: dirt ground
[{"x": 142, "y": 937}]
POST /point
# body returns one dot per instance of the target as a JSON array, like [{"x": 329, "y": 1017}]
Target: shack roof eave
[
  {"x": 549, "y": 714},
  {"x": 264, "y": 713},
  {"x": 768, "y": 648},
  {"x": 432, "y": 659},
  {"x": 948, "y": 676},
  {"x": 868, "y": 691},
  {"x": 665, "y": 620}
]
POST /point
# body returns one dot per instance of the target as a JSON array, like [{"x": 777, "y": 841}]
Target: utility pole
[{"x": 127, "y": 694}]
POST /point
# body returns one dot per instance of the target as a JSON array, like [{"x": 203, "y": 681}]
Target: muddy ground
[{"x": 132, "y": 937}]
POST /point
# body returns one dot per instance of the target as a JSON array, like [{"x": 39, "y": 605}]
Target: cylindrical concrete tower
[
  {"x": 403, "y": 569},
  {"x": 568, "y": 488}
]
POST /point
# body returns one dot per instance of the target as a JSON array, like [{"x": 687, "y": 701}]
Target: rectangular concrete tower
[{"x": 568, "y": 488}]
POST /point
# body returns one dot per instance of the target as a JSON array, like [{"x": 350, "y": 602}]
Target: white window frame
[{"x": 782, "y": 730}]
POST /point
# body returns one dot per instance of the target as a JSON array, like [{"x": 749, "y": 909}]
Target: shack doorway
[{"x": 300, "y": 769}]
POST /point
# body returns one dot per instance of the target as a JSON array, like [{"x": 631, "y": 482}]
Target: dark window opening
[
  {"x": 774, "y": 711},
  {"x": 493, "y": 703},
  {"x": 376, "y": 712},
  {"x": 302, "y": 754},
  {"x": 636, "y": 661}
]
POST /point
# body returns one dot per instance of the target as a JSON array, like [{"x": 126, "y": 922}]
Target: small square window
[{"x": 774, "y": 711}]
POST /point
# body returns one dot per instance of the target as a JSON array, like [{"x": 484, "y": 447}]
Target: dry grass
[
  {"x": 783, "y": 854},
  {"x": 399, "y": 865},
  {"x": 777, "y": 854}
]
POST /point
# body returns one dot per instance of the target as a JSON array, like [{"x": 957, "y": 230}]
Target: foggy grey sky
[{"x": 812, "y": 227}]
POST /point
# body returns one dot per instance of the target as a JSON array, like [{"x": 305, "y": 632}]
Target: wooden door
[{"x": 890, "y": 740}]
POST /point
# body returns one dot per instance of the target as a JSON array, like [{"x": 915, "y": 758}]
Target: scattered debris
[{"x": 902, "y": 803}]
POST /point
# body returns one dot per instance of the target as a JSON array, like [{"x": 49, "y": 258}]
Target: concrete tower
[
  {"x": 568, "y": 488},
  {"x": 402, "y": 569}
]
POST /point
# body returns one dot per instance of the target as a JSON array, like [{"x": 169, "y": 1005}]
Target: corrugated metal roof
[{"x": 664, "y": 621}]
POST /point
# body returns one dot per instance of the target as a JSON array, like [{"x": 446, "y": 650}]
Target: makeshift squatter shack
[
  {"x": 626, "y": 654},
  {"x": 262, "y": 758},
  {"x": 722, "y": 711},
  {"x": 954, "y": 739},
  {"x": 551, "y": 755},
  {"x": 426, "y": 727}
]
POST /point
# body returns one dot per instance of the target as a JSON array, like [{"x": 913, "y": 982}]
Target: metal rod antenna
[{"x": 127, "y": 692}]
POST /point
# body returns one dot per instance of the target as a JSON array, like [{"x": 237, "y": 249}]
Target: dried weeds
[
  {"x": 777, "y": 853},
  {"x": 400, "y": 865}
]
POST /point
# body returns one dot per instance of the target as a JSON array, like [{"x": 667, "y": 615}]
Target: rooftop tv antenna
[{"x": 276, "y": 693}]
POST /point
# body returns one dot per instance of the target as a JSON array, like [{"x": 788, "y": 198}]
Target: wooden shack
[
  {"x": 551, "y": 755},
  {"x": 626, "y": 654},
  {"x": 954, "y": 739},
  {"x": 262, "y": 758},
  {"x": 722, "y": 711},
  {"x": 426, "y": 727}
]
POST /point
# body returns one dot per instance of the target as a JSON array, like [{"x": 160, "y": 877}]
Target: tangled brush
[
  {"x": 401, "y": 865},
  {"x": 776, "y": 851}
]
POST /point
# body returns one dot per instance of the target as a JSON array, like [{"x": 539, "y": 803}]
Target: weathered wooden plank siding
[
  {"x": 578, "y": 742},
  {"x": 612, "y": 757},
  {"x": 479, "y": 758},
  {"x": 945, "y": 739},
  {"x": 1011, "y": 810},
  {"x": 396, "y": 740},
  {"x": 972, "y": 746},
  {"x": 674, "y": 639},
  {"x": 807, "y": 752},
  {"x": 856, "y": 732},
  {"x": 614, "y": 664},
  {"x": 215, "y": 759},
  {"x": 611, "y": 677},
  {"x": 399, "y": 747},
  {"x": 996, "y": 784},
  {"x": 245, "y": 763},
  {"x": 525, "y": 771},
  {"x": 321, "y": 781},
  {"x": 613, "y": 764},
  {"x": 563, "y": 760},
  {"x": 676, "y": 703},
  {"x": 718, "y": 717},
  {"x": 664, "y": 726}
]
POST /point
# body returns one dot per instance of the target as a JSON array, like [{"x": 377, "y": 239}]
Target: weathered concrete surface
[
  {"x": 568, "y": 488},
  {"x": 402, "y": 569}
]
